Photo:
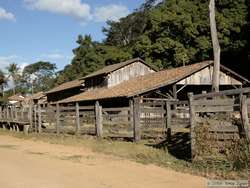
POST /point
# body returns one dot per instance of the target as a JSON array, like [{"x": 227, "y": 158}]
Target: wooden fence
[{"x": 220, "y": 110}]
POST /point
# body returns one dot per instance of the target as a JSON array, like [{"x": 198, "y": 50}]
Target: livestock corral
[{"x": 225, "y": 114}]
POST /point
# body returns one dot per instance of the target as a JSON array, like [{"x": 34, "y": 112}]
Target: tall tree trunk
[{"x": 216, "y": 47}]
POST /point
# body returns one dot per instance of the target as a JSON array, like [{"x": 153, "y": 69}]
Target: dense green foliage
[
  {"x": 39, "y": 76},
  {"x": 90, "y": 56},
  {"x": 167, "y": 34}
]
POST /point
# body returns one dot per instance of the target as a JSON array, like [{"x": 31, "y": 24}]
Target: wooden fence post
[
  {"x": 57, "y": 118},
  {"x": 192, "y": 124},
  {"x": 77, "y": 119},
  {"x": 98, "y": 119},
  {"x": 31, "y": 115},
  {"x": 136, "y": 115},
  {"x": 35, "y": 118},
  {"x": 1, "y": 111},
  {"x": 244, "y": 116},
  {"x": 39, "y": 119},
  {"x": 131, "y": 113},
  {"x": 168, "y": 120}
]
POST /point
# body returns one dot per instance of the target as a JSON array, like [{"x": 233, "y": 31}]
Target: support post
[
  {"x": 136, "y": 126},
  {"x": 1, "y": 111},
  {"x": 168, "y": 116},
  {"x": 57, "y": 118},
  {"x": 39, "y": 119},
  {"x": 77, "y": 119},
  {"x": 35, "y": 118},
  {"x": 98, "y": 120},
  {"x": 131, "y": 113},
  {"x": 192, "y": 124},
  {"x": 31, "y": 115},
  {"x": 244, "y": 117}
]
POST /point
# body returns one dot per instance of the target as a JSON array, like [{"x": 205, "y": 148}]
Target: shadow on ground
[{"x": 178, "y": 146}]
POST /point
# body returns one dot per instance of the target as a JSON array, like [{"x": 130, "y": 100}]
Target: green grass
[{"x": 137, "y": 152}]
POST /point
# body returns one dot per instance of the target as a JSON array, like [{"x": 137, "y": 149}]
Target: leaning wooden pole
[{"x": 216, "y": 47}]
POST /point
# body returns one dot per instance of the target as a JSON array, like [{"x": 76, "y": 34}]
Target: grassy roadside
[{"x": 136, "y": 152}]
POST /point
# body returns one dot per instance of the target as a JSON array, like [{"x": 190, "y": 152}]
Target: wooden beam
[
  {"x": 77, "y": 119},
  {"x": 39, "y": 118},
  {"x": 58, "y": 121},
  {"x": 175, "y": 91},
  {"x": 98, "y": 120},
  {"x": 136, "y": 115},
  {"x": 244, "y": 117},
  {"x": 131, "y": 112},
  {"x": 192, "y": 124},
  {"x": 168, "y": 116}
]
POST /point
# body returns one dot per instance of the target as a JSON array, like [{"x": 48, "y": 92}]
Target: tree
[
  {"x": 40, "y": 76},
  {"x": 13, "y": 71},
  {"x": 216, "y": 47},
  {"x": 3, "y": 81},
  {"x": 90, "y": 56}
]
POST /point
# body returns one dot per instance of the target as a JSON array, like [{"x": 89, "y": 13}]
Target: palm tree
[
  {"x": 13, "y": 71},
  {"x": 3, "y": 82}
]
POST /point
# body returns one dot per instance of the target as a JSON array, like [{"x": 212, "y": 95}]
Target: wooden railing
[{"x": 221, "y": 108}]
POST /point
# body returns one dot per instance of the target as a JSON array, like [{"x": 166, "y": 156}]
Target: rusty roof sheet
[
  {"x": 66, "y": 85},
  {"x": 114, "y": 67},
  {"x": 140, "y": 84}
]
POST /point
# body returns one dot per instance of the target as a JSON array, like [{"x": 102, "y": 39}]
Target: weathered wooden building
[
  {"x": 172, "y": 83},
  {"x": 115, "y": 74},
  {"x": 65, "y": 90}
]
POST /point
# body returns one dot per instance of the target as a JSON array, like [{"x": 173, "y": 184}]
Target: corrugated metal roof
[{"x": 140, "y": 84}]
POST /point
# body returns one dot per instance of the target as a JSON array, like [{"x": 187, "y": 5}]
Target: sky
[{"x": 46, "y": 30}]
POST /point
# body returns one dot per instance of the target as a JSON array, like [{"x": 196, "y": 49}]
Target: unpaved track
[{"x": 29, "y": 164}]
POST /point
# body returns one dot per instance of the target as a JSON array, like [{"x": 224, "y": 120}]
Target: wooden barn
[
  {"x": 106, "y": 77},
  {"x": 65, "y": 90},
  {"x": 115, "y": 74},
  {"x": 172, "y": 83}
]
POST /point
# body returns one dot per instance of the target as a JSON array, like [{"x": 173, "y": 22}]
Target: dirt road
[{"x": 29, "y": 164}]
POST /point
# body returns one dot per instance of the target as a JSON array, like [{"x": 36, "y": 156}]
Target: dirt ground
[{"x": 30, "y": 164}]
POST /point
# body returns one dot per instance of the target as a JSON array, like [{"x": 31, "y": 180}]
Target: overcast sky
[{"x": 33, "y": 30}]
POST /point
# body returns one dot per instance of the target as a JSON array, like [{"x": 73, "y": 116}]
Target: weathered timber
[
  {"x": 136, "y": 126},
  {"x": 244, "y": 117},
  {"x": 77, "y": 119},
  {"x": 58, "y": 121},
  {"x": 192, "y": 124},
  {"x": 168, "y": 116},
  {"x": 39, "y": 113},
  {"x": 223, "y": 93},
  {"x": 213, "y": 108},
  {"x": 98, "y": 120}
]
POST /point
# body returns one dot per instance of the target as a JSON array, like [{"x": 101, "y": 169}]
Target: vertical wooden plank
[
  {"x": 77, "y": 119},
  {"x": 7, "y": 113},
  {"x": 168, "y": 116},
  {"x": 15, "y": 113},
  {"x": 244, "y": 117},
  {"x": 136, "y": 126},
  {"x": 39, "y": 119},
  {"x": 98, "y": 120},
  {"x": 57, "y": 118},
  {"x": 35, "y": 118},
  {"x": 1, "y": 113},
  {"x": 30, "y": 115},
  {"x": 192, "y": 124},
  {"x": 131, "y": 113}
]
